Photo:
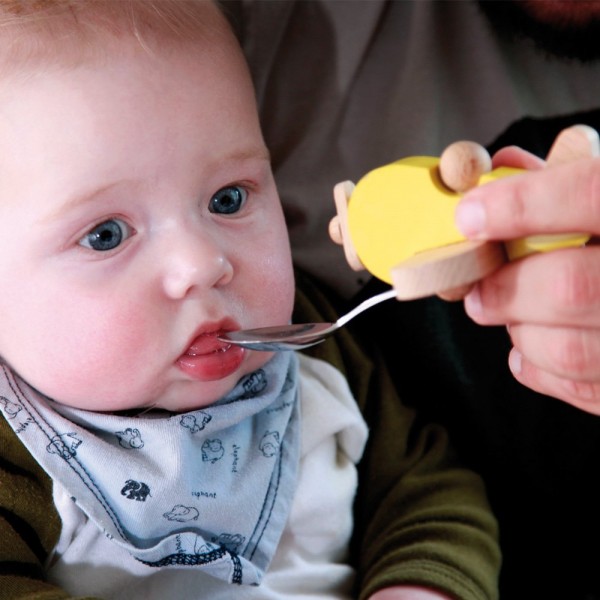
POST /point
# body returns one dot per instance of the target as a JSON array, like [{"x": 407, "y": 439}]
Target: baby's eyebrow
[
  {"x": 79, "y": 200},
  {"x": 250, "y": 153},
  {"x": 255, "y": 152}
]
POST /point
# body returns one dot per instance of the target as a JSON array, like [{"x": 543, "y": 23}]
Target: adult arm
[
  {"x": 421, "y": 520},
  {"x": 29, "y": 524}
]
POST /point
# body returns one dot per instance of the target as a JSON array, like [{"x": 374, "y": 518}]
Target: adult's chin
[{"x": 565, "y": 29}]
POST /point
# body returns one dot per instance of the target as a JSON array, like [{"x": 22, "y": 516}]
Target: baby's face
[{"x": 139, "y": 219}]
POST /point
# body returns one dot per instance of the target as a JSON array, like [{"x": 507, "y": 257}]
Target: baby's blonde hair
[{"x": 73, "y": 30}]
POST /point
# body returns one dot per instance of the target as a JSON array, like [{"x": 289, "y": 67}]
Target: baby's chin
[
  {"x": 185, "y": 400},
  {"x": 179, "y": 394},
  {"x": 188, "y": 396}
]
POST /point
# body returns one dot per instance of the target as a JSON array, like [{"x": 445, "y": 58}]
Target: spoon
[{"x": 297, "y": 335}]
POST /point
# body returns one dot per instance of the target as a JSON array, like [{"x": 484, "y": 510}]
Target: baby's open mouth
[
  {"x": 208, "y": 359},
  {"x": 207, "y": 343}
]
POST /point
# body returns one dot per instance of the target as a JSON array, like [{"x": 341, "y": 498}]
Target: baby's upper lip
[{"x": 204, "y": 339}]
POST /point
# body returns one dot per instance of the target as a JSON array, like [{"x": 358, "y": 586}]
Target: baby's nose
[{"x": 195, "y": 261}]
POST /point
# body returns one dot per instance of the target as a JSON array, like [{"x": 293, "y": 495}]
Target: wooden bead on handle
[{"x": 462, "y": 164}]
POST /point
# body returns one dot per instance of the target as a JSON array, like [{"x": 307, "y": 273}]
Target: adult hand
[{"x": 549, "y": 301}]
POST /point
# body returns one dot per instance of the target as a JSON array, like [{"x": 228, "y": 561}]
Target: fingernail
[
  {"x": 515, "y": 361},
  {"x": 470, "y": 217},
  {"x": 473, "y": 302}
]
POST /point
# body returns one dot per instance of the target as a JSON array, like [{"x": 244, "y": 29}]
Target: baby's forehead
[{"x": 71, "y": 32}]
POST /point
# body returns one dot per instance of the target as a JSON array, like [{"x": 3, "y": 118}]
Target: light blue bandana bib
[{"x": 208, "y": 489}]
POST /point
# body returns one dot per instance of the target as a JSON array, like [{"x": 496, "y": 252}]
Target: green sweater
[{"x": 420, "y": 518}]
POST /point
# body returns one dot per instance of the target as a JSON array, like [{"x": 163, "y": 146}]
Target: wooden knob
[
  {"x": 338, "y": 226},
  {"x": 335, "y": 230},
  {"x": 462, "y": 164}
]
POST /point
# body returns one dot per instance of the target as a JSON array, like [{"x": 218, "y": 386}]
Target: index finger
[
  {"x": 513, "y": 156},
  {"x": 560, "y": 199}
]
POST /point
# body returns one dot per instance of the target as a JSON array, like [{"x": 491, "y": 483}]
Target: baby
[{"x": 141, "y": 456}]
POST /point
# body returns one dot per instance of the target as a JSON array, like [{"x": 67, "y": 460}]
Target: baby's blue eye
[
  {"x": 107, "y": 235},
  {"x": 228, "y": 200}
]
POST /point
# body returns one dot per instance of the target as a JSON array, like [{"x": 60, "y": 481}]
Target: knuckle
[
  {"x": 587, "y": 190},
  {"x": 582, "y": 394},
  {"x": 519, "y": 213},
  {"x": 573, "y": 357},
  {"x": 576, "y": 288}
]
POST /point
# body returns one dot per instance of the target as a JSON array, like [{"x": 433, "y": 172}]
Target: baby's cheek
[
  {"x": 102, "y": 361},
  {"x": 277, "y": 290},
  {"x": 123, "y": 342}
]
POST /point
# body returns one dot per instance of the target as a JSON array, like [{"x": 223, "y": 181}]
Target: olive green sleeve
[
  {"x": 29, "y": 523},
  {"x": 420, "y": 518}
]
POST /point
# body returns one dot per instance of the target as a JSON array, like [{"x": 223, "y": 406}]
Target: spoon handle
[{"x": 365, "y": 305}]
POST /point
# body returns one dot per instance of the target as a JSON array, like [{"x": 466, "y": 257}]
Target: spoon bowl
[{"x": 297, "y": 335}]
